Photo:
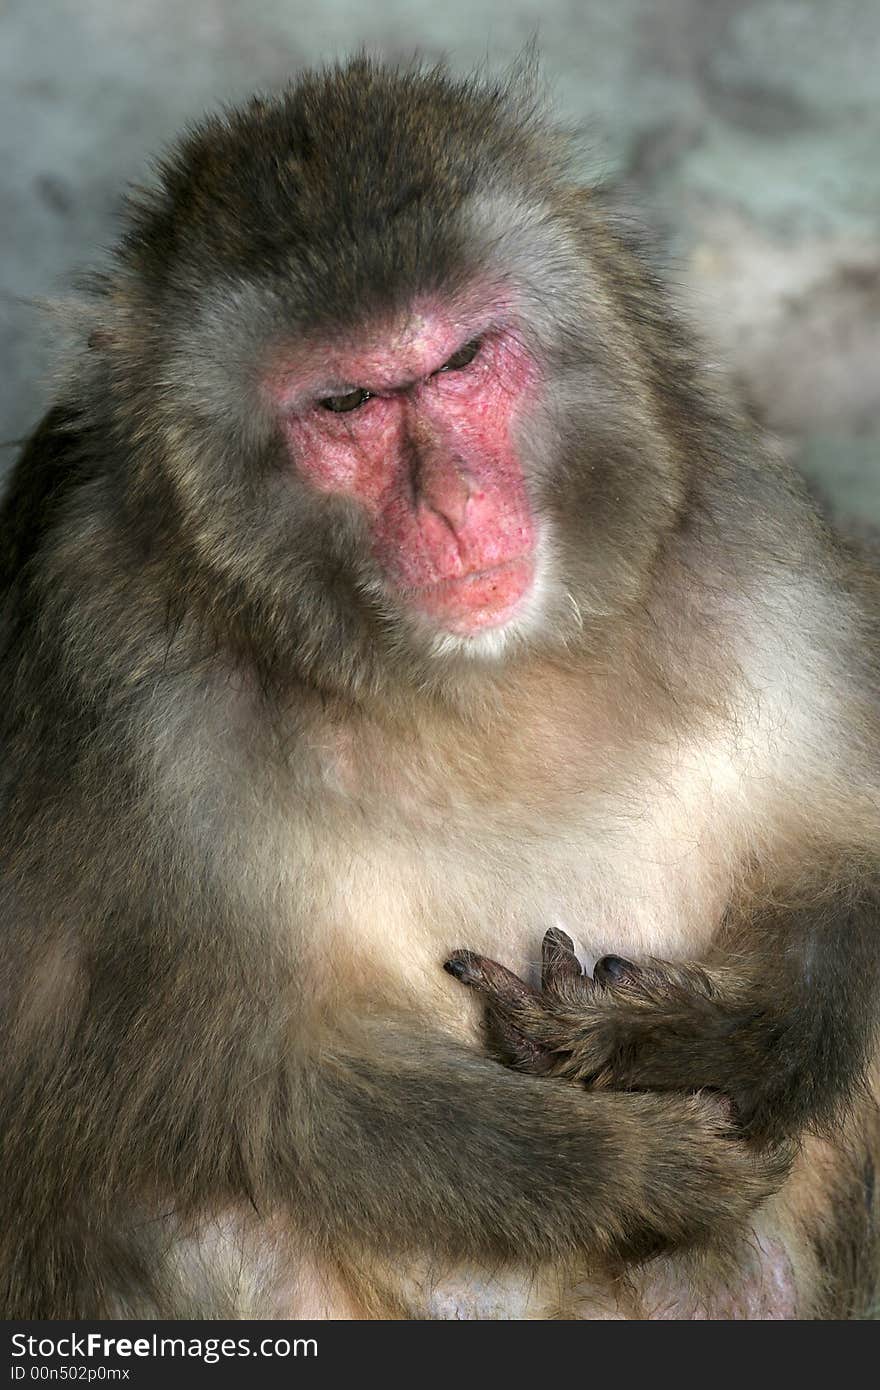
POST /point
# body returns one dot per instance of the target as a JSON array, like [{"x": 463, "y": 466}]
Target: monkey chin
[
  {"x": 479, "y": 602},
  {"x": 484, "y": 615}
]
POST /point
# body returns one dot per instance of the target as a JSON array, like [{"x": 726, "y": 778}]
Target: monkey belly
[
  {"x": 813, "y": 1252},
  {"x": 238, "y": 1266},
  {"x": 757, "y": 1280}
]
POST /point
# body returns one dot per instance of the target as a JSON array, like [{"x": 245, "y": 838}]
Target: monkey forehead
[{"x": 387, "y": 354}]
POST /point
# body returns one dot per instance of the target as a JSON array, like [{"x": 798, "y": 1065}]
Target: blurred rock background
[{"x": 747, "y": 131}]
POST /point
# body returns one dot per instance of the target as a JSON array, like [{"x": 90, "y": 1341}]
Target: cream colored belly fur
[{"x": 635, "y": 870}]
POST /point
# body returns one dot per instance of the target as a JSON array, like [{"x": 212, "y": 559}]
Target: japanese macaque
[{"x": 388, "y": 587}]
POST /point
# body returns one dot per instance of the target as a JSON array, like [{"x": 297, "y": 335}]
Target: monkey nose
[{"x": 444, "y": 487}]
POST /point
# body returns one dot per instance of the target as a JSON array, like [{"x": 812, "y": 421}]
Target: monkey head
[{"x": 370, "y": 364}]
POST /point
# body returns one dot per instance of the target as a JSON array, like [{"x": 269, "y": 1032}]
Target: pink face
[{"x": 415, "y": 423}]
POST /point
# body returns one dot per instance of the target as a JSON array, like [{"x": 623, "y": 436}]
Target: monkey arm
[
  {"x": 780, "y": 1019},
  {"x": 418, "y": 1143}
]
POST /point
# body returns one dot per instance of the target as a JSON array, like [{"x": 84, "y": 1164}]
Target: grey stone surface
[{"x": 749, "y": 130}]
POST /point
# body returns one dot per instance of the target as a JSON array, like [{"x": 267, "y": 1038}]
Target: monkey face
[{"x": 415, "y": 423}]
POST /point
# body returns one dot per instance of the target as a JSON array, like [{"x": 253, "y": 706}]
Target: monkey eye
[
  {"x": 463, "y": 357},
  {"x": 341, "y": 404}
]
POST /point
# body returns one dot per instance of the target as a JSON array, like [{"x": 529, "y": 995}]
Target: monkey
[{"x": 392, "y": 586}]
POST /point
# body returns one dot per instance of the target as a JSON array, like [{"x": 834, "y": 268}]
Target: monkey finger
[
  {"x": 559, "y": 964},
  {"x": 497, "y": 982}
]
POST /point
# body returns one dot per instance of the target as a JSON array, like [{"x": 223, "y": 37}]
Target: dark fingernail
[
  {"x": 613, "y": 970},
  {"x": 460, "y": 966}
]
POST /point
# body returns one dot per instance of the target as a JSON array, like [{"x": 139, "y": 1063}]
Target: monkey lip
[{"x": 484, "y": 598}]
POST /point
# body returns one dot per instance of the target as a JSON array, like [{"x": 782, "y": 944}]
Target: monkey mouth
[{"x": 484, "y": 598}]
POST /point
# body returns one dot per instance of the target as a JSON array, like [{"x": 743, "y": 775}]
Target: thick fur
[{"x": 248, "y": 812}]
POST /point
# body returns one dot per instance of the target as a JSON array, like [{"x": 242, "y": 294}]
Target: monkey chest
[{"x": 397, "y": 900}]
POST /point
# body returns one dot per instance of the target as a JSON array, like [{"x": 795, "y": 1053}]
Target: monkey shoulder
[{"x": 53, "y": 462}]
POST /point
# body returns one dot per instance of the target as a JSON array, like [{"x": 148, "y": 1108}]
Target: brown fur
[{"x": 247, "y": 813}]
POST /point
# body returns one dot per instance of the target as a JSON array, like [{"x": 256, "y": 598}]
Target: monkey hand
[{"x": 651, "y": 1026}]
